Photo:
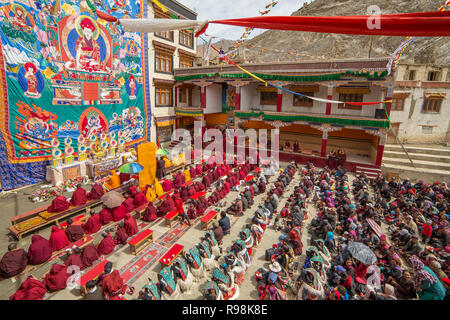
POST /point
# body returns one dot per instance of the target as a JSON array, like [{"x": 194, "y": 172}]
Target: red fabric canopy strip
[
  {"x": 364, "y": 103},
  {"x": 421, "y": 24}
]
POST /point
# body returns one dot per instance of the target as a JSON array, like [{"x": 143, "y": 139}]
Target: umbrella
[
  {"x": 112, "y": 199},
  {"x": 131, "y": 168},
  {"x": 362, "y": 253},
  {"x": 375, "y": 227},
  {"x": 162, "y": 152}
]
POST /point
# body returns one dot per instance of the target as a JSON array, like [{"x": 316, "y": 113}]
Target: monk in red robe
[
  {"x": 227, "y": 187},
  {"x": 191, "y": 212},
  {"x": 59, "y": 204},
  {"x": 74, "y": 232},
  {"x": 198, "y": 170},
  {"x": 191, "y": 191},
  {"x": 105, "y": 215},
  {"x": 79, "y": 196},
  {"x": 30, "y": 289},
  {"x": 180, "y": 179},
  {"x": 13, "y": 262},
  {"x": 39, "y": 251},
  {"x": 56, "y": 278},
  {"x": 140, "y": 199},
  {"x": 166, "y": 206},
  {"x": 124, "y": 177},
  {"x": 112, "y": 282},
  {"x": 58, "y": 239},
  {"x": 184, "y": 193},
  {"x": 130, "y": 225},
  {"x": 192, "y": 172},
  {"x": 121, "y": 234},
  {"x": 106, "y": 246},
  {"x": 179, "y": 205},
  {"x": 167, "y": 185},
  {"x": 206, "y": 181},
  {"x": 96, "y": 192},
  {"x": 93, "y": 224},
  {"x": 118, "y": 213},
  {"x": 89, "y": 256},
  {"x": 129, "y": 204},
  {"x": 150, "y": 213},
  {"x": 75, "y": 259}
]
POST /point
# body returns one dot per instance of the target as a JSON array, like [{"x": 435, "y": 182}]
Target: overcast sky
[{"x": 227, "y": 9}]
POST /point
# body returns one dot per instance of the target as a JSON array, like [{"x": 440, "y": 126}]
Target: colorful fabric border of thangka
[
  {"x": 314, "y": 119},
  {"x": 189, "y": 112},
  {"x": 66, "y": 73}
]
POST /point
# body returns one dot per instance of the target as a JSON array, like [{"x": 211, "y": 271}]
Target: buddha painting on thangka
[{"x": 69, "y": 74}]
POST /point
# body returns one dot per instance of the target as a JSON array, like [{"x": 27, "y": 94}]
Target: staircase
[
  {"x": 432, "y": 162},
  {"x": 371, "y": 173}
]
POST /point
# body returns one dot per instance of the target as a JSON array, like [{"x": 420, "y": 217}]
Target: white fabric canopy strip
[{"x": 160, "y": 25}]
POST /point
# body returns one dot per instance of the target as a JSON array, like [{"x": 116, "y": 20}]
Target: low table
[
  {"x": 171, "y": 217},
  {"x": 140, "y": 241},
  {"x": 208, "y": 219},
  {"x": 196, "y": 195},
  {"x": 77, "y": 221},
  {"x": 170, "y": 256},
  {"x": 92, "y": 274}
]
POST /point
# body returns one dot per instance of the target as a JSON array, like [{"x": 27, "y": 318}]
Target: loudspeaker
[{"x": 380, "y": 114}]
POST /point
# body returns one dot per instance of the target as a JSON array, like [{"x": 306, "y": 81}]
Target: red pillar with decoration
[
  {"x": 380, "y": 150},
  {"x": 238, "y": 99},
  {"x": 279, "y": 100},
  {"x": 323, "y": 151},
  {"x": 329, "y": 97},
  {"x": 203, "y": 97}
]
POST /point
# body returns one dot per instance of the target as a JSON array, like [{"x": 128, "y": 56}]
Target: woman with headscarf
[
  {"x": 56, "y": 278},
  {"x": 106, "y": 246},
  {"x": 30, "y": 289},
  {"x": 96, "y": 192},
  {"x": 39, "y": 251},
  {"x": 427, "y": 283},
  {"x": 58, "y": 239},
  {"x": 150, "y": 213},
  {"x": 105, "y": 215},
  {"x": 89, "y": 256},
  {"x": 93, "y": 224},
  {"x": 130, "y": 225},
  {"x": 113, "y": 181}
]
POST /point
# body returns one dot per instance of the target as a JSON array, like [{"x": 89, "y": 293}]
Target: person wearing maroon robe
[
  {"x": 176, "y": 195},
  {"x": 75, "y": 259},
  {"x": 118, "y": 213},
  {"x": 58, "y": 239},
  {"x": 206, "y": 181},
  {"x": 74, "y": 232},
  {"x": 241, "y": 174},
  {"x": 262, "y": 186},
  {"x": 124, "y": 177},
  {"x": 179, "y": 205},
  {"x": 93, "y": 224},
  {"x": 106, "y": 246},
  {"x": 13, "y": 262},
  {"x": 133, "y": 191},
  {"x": 105, "y": 215},
  {"x": 130, "y": 225},
  {"x": 167, "y": 206},
  {"x": 198, "y": 170},
  {"x": 112, "y": 282},
  {"x": 140, "y": 199},
  {"x": 96, "y": 192},
  {"x": 227, "y": 187},
  {"x": 79, "y": 197},
  {"x": 251, "y": 190},
  {"x": 56, "y": 278},
  {"x": 121, "y": 234},
  {"x": 150, "y": 213},
  {"x": 129, "y": 204},
  {"x": 167, "y": 185},
  {"x": 201, "y": 186},
  {"x": 178, "y": 182},
  {"x": 39, "y": 251},
  {"x": 191, "y": 191},
  {"x": 184, "y": 195},
  {"x": 30, "y": 289},
  {"x": 59, "y": 204},
  {"x": 192, "y": 172},
  {"x": 89, "y": 256},
  {"x": 191, "y": 212}
]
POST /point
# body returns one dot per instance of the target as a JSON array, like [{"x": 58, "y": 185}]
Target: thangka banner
[{"x": 65, "y": 73}]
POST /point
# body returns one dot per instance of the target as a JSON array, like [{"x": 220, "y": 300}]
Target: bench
[
  {"x": 170, "y": 256},
  {"x": 92, "y": 274},
  {"x": 257, "y": 170},
  {"x": 77, "y": 221},
  {"x": 27, "y": 215},
  {"x": 140, "y": 241},
  {"x": 249, "y": 178},
  {"x": 171, "y": 217},
  {"x": 208, "y": 219}
]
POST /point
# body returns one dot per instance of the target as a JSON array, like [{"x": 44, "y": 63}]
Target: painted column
[
  {"x": 176, "y": 97},
  {"x": 380, "y": 150},
  {"x": 238, "y": 98},
  {"x": 323, "y": 151},
  {"x": 203, "y": 96},
  {"x": 279, "y": 100},
  {"x": 389, "y": 98},
  {"x": 329, "y": 97}
]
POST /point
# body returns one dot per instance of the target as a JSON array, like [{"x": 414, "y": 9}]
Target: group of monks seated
[
  {"x": 245, "y": 198},
  {"x": 287, "y": 146}
]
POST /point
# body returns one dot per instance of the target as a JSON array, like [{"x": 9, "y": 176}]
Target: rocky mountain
[{"x": 317, "y": 46}]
